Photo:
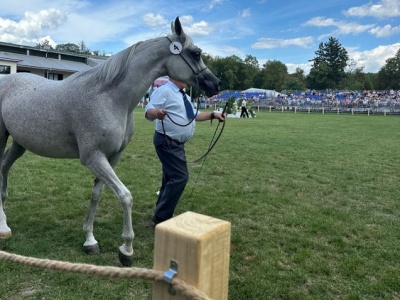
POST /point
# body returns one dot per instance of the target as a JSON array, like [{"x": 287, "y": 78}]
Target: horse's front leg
[
  {"x": 91, "y": 246},
  {"x": 103, "y": 170}
]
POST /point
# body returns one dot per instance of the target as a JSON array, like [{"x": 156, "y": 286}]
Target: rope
[{"x": 113, "y": 272}]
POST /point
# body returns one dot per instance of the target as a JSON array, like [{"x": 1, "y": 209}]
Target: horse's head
[{"x": 187, "y": 65}]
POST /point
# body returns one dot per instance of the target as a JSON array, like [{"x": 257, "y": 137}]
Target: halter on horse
[{"x": 89, "y": 116}]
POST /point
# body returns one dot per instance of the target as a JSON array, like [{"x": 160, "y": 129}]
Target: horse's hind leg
[{"x": 8, "y": 159}]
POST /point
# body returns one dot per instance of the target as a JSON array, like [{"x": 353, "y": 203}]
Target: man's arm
[
  {"x": 156, "y": 113},
  {"x": 203, "y": 116}
]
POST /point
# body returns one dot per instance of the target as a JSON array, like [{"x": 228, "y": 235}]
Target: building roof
[{"x": 37, "y": 62}]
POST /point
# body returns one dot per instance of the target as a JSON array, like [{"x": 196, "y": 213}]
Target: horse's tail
[
  {"x": 5, "y": 85},
  {"x": 5, "y": 88}
]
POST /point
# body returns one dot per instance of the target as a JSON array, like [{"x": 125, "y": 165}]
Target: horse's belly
[
  {"x": 48, "y": 145},
  {"x": 44, "y": 136}
]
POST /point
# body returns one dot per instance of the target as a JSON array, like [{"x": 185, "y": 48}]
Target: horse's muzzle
[{"x": 209, "y": 83}]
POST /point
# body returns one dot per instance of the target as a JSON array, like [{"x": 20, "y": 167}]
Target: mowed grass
[{"x": 313, "y": 200}]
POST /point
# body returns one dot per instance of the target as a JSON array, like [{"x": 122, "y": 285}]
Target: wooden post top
[
  {"x": 200, "y": 246},
  {"x": 194, "y": 224}
]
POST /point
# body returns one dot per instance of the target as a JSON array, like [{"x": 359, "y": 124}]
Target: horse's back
[{"x": 15, "y": 86}]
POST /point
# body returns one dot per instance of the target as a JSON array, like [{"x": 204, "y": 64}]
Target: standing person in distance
[
  {"x": 244, "y": 107},
  {"x": 169, "y": 141}
]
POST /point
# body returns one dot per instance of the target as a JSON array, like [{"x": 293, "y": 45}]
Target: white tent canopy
[{"x": 267, "y": 93}]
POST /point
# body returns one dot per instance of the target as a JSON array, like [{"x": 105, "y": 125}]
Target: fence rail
[{"x": 387, "y": 109}]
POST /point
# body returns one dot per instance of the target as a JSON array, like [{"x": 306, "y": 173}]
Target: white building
[{"x": 52, "y": 64}]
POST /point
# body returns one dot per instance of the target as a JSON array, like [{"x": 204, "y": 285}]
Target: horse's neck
[{"x": 146, "y": 64}]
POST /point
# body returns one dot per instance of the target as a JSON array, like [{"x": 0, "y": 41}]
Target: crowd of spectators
[
  {"x": 389, "y": 100},
  {"x": 344, "y": 99}
]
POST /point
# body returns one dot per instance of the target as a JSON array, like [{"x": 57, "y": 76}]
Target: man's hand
[
  {"x": 161, "y": 113},
  {"x": 220, "y": 117}
]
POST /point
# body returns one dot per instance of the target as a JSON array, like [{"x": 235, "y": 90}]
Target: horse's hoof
[
  {"x": 5, "y": 235},
  {"x": 92, "y": 249},
  {"x": 125, "y": 260}
]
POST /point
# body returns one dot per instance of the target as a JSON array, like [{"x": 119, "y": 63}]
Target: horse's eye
[{"x": 196, "y": 55}]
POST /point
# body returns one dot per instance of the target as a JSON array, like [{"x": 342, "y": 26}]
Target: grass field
[{"x": 313, "y": 200}]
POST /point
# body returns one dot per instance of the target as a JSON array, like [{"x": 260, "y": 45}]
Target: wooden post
[{"x": 200, "y": 246}]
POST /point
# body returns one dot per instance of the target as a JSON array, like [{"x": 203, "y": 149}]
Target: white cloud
[
  {"x": 341, "y": 26},
  {"x": 30, "y": 29},
  {"x": 269, "y": 43},
  {"x": 214, "y": 3},
  {"x": 245, "y": 13},
  {"x": 154, "y": 20},
  {"x": 382, "y": 10},
  {"x": 384, "y": 31},
  {"x": 372, "y": 60},
  {"x": 201, "y": 28},
  {"x": 306, "y": 67},
  {"x": 220, "y": 50}
]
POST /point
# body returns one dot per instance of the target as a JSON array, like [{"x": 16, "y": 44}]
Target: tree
[
  {"x": 389, "y": 74},
  {"x": 231, "y": 71},
  {"x": 44, "y": 44},
  {"x": 356, "y": 80},
  {"x": 274, "y": 75},
  {"x": 83, "y": 49},
  {"x": 251, "y": 71},
  {"x": 318, "y": 77},
  {"x": 68, "y": 47},
  {"x": 296, "y": 81},
  {"x": 334, "y": 57}
]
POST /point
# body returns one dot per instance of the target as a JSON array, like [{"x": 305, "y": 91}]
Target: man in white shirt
[{"x": 169, "y": 138}]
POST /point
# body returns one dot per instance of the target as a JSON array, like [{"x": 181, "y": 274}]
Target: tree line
[
  {"x": 331, "y": 69},
  {"x": 79, "y": 48}
]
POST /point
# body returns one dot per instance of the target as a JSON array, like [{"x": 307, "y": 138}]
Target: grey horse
[{"x": 89, "y": 116}]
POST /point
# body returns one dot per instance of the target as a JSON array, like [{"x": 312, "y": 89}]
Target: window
[
  {"x": 54, "y": 76},
  {"x": 5, "y": 69}
]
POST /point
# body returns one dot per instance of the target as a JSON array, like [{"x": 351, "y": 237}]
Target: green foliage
[
  {"x": 229, "y": 107},
  {"x": 274, "y": 75},
  {"x": 74, "y": 48},
  {"x": 333, "y": 57},
  {"x": 389, "y": 74},
  {"x": 319, "y": 76},
  {"x": 357, "y": 80},
  {"x": 44, "y": 44},
  {"x": 312, "y": 198},
  {"x": 296, "y": 81}
]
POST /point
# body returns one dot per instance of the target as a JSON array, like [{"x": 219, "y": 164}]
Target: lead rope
[{"x": 210, "y": 147}]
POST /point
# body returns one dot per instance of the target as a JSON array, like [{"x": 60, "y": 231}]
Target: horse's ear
[
  {"x": 172, "y": 28},
  {"x": 177, "y": 28}
]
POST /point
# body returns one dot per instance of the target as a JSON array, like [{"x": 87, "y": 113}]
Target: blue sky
[{"x": 287, "y": 31}]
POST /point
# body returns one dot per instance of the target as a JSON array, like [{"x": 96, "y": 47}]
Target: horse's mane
[{"x": 113, "y": 70}]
